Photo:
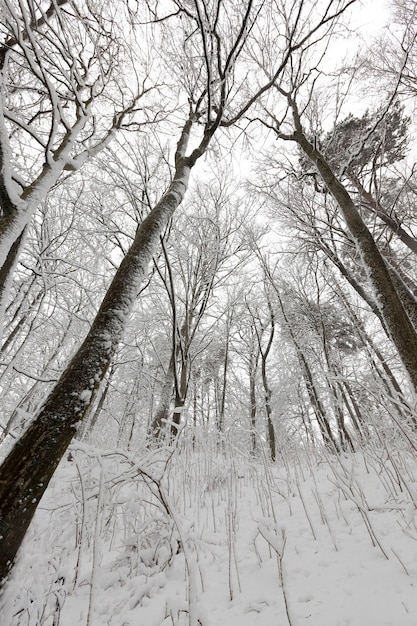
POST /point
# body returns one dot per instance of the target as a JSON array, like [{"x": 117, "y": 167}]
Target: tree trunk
[
  {"x": 396, "y": 319},
  {"x": 30, "y": 465},
  {"x": 253, "y": 405},
  {"x": 356, "y": 417},
  {"x": 268, "y": 409},
  {"x": 224, "y": 378},
  {"x": 163, "y": 411},
  {"x": 89, "y": 423},
  {"x": 6, "y": 274},
  {"x": 267, "y": 390},
  {"x": 319, "y": 410},
  {"x": 176, "y": 416}
]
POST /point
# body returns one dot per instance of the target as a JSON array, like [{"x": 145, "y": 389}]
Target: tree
[
  {"x": 390, "y": 304},
  {"x": 28, "y": 468},
  {"x": 315, "y": 231},
  {"x": 202, "y": 247},
  {"x": 391, "y": 63},
  {"x": 362, "y": 149},
  {"x": 62, "y": 99},
  {"x": 396, "y": 319},
  {"x": 200, "y": 46},
  {"x": 264, "y": 330}
]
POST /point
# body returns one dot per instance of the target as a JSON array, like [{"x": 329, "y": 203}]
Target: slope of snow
[{"x": 208, "y": 537}]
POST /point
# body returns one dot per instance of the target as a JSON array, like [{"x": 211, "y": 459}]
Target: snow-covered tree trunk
[
  {"x": 392, "y": 310},
  {"x": 27, "y": 470}
]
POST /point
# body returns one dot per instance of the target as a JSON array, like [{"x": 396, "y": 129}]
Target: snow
[
  {"x": 85, "y": 395},
  {"x": 209, "y": 538}
]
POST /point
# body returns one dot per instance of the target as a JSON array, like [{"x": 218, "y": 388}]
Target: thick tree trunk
[
  {"x": 397, "y": 322},
  {"x": 30, "y": 465}
]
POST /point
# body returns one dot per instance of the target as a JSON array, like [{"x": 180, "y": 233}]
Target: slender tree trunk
[
  {"x": 267, "y": 389},
  {"x": 90, "y": 423},
  {"x": 347, "y": 274},
  {"x": 21, "y": 322},
  {"x": 387, "y": 376},
  {"x": 331, "y": 375},
  {"x": 407, "y": 297},
  {"x": 324, "y": 425},
  {"x": 356, "y": 417},
  {"x": 323, "y": 422},
  {"x": 224, "y": 379},
  {"x": 180, "y": 395},
  {"x": 268, "y": 410},
  {"x": 176, "y": 416},
  {"x": 346, "y": 442},
  {"x": 164, "y": 406},
  {"x": 253, "y": 404},
  {"x": 375, "y": 207},
  {"x": 26, "y": 400},
  {"x": 6, "y": 275}
]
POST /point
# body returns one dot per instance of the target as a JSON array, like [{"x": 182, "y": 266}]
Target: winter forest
[{"x": 208, "y": 303}]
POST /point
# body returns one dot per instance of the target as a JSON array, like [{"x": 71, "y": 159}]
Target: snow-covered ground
[{"x": 212, "y": 537}]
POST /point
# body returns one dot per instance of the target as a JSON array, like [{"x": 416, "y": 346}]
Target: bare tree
[
  {"x": 264, "y": 328},
  {"x": 393, "y": 312},
  {"x": 292, "y": 118},
  {"x": 205, "y": 40},
  {"x": 202, "y": 250},
  {"x": 62, "y": 99},
  {"x": 28, "y": 468},
  {"x": 391, "y": 62}
]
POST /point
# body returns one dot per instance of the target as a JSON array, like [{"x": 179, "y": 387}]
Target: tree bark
[{"x": 6, "y": 275}]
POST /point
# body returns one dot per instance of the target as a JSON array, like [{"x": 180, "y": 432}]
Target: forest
[{"x": 208, "y": 312}]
